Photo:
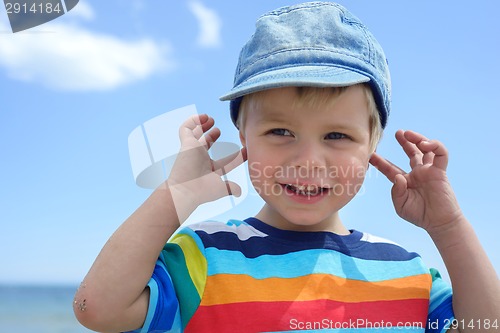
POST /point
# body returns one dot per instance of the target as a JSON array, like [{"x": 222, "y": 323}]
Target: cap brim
[{"x": 311, "y": 76}]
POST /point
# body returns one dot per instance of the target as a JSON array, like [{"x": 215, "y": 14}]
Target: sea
[{"x": 38, "y": 309}]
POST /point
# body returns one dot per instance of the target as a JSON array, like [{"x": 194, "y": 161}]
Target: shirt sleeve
[
  {"x": 440, "y": 306},
  {"x": 176, "y": 285}
]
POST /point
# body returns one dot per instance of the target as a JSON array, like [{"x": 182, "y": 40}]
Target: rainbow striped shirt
[{"x": 246, "y": 276}]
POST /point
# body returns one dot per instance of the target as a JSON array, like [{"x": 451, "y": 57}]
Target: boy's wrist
[
  {"x": 450, "y": 234},
  {"x": 182, "y": 201}
]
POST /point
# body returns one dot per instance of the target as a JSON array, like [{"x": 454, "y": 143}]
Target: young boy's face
[{"x": 306, "y": 160}]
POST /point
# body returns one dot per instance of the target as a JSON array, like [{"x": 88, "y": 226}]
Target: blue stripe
[
  {"x": 153, "y": 300},
  {"x": 165, "y": 299},
  {"x": 440, "y": 316},
  {"x": 440, "y": 290},
  {"x": 281, "y": 242},
  {"x": 440, "y": 306},
  {"x": 309, "y": 262}
]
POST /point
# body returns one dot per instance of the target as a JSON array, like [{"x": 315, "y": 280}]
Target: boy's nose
[{"x": 309, "y": 156}]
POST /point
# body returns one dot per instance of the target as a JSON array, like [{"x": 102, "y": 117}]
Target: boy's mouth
[{"x": 305, "y": 190}]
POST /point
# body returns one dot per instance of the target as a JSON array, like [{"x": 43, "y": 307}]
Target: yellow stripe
[
  {"x": 232, "y": 288},
  {"x": 195, "y": 261}
]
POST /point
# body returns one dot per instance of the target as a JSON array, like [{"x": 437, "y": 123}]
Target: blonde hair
[{"x": 315, "y": 96}]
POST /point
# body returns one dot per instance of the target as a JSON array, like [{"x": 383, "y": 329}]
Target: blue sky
[{"x": 72, "y": 91}]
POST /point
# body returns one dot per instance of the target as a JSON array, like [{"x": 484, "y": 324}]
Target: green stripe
[
  {"x": 188, "y": 297},
  {"x": 434, "y": 274}
]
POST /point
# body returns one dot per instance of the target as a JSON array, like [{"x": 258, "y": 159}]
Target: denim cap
[{"x": 318, "y": 44}]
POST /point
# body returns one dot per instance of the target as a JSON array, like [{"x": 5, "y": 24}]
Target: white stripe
[
  {"x": 375, "y": 239},
  {"x": 242, "y": 230}
]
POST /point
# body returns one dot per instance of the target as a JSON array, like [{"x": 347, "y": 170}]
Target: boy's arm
[
  {"x": 113, "y": 296},
  {"x": 476, "y": 288},
  {"x": 425, "y": 198}
]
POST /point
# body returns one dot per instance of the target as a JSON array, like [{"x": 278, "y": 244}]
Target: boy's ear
[{"x": 242, "y": 139}]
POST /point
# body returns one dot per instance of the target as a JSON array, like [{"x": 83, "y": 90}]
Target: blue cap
[{"x": 318, "y": 44}]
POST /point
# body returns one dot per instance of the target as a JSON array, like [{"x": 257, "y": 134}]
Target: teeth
[{"x": 305, "y": 189}]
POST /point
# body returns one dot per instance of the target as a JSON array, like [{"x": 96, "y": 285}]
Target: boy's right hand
[{"x": 195, "y": 177}]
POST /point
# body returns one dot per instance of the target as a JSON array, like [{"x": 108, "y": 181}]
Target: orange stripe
[{"x": 234, "y": 288}]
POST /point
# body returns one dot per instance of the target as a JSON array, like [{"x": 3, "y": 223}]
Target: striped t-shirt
[{"x": 246, "y": 276}]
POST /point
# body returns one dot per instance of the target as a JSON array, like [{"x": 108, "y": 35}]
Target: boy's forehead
[{"x": 274, "y": 104}]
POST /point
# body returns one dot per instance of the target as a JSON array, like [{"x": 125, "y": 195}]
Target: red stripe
[{"x": 250, "y": 317}]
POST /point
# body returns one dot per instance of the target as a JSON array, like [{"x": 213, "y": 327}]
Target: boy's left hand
[{"x": 424, "y": 195}]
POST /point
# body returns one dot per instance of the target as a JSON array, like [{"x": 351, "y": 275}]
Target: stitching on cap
[
  {"x": 304, "y": 49},
  {"x": 289, "y": 75},
  {"x": 302, "y": 64},
  {"x": 286, "y": 10}
]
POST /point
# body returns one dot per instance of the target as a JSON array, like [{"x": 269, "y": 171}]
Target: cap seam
[
  {"x": 302, "y": 64},
  {"x": 349, "y": 69},
  {"x": 368, "y": 42},
  {"x": 286, "y": 10}
]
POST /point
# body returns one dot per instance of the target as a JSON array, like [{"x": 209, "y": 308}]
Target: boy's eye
[
  {"x": 336, "y": 136},
  {"x": 280, "y": 132}
]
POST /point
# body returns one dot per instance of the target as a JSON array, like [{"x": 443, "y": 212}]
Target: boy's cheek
[
  {"x": 350, "y": 170},
  {"x": 349, "y": 178}
]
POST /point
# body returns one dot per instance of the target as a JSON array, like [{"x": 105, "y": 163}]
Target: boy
[{"x": 310, "y": 99}]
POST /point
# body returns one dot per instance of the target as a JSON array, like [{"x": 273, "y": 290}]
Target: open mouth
[{"x": 305, "y": 190}]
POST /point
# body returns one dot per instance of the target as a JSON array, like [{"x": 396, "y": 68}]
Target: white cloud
[
  {"x": 209, "y": 22},
  {"x": 70, "y": 57}
]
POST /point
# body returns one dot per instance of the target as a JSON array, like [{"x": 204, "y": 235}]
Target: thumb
[
  {"x": 400, "y": 186},
  {"x": 233, "y": 188}
]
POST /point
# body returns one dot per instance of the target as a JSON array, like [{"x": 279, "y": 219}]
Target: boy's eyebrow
[
  {"x": 273, "y": 117},
  {"x": 333, "y": 125},
  {"x": 344, "y": 126}
]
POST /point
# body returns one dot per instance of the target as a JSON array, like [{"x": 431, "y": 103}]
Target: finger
[
  {"x": 387, "y": 168},
  {"x": 233, "y": 188},
  {"x": 411, "y": 150},
  {"x": 195, "y": 126},
  {"x": 226, "y": 188},
  {"x": 428, "y": 158},
  {"x": 206, "y": 126},
  {"x": 230, "y": 162},
  {"x": 209, "y": 138},
  {"x": 194, "y": 121},
  {"x": 437, "y": 152},
  {"x": 414, "y": 142}
]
